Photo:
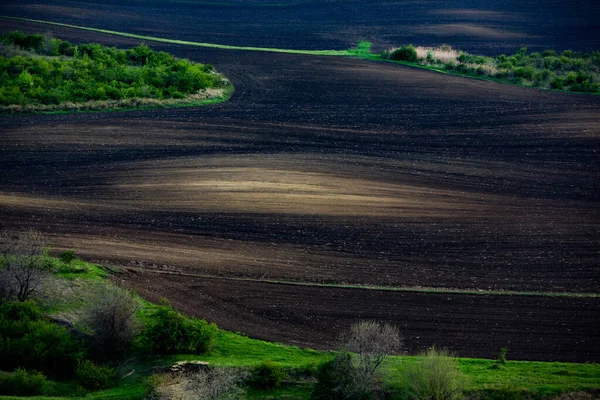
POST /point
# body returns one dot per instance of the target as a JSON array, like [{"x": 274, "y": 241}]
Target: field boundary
[
  {"x": 428, "y": 290},
  {"x": 188, "y": 43},
  {"x": 358, "y": 52}
]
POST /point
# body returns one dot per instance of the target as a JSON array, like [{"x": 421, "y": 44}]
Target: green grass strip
[
  {"x": 198, "y": 44},
  {"x": 470, "y": 292},
  {"x": 363, "y": 51}
]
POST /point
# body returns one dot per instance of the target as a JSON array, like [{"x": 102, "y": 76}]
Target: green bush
[
  {"x": 95, "y": 377},
  {"x": 27, "y": 340},
  {"x": 95, "y": 72},
  {"x": 49, "y": 348},
  {"x": 67, "y": 256},
  {"x": 405, "y": 53},
  {"x": 23, "y": 383},
  {"x": 338, "y": 380},
  {"x": 170, "y": 332},
  {"x": 267, "y": 375},
  {"x": 19, "y": 311},
  {"x": 435, "y": 376}
]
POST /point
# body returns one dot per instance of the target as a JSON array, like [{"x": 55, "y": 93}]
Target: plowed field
[{"x": 329, "y": 170}]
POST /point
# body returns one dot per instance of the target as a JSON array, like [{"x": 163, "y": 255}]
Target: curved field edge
[
  {"x": 362, "y": 51},
  {"x": 407, "y": 289},
  {"x": 47, "y": 75},
  {"x": 131, "y": 104},
  {"x": 485, "y": 377}
]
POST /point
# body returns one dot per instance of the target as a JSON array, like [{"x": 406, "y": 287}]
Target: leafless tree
[
  {"x": 23, "y": 269},
  {"x": 215, "y": 384},
  {"x": 204, "y": 384},
  {"x": 372, "y": 342},
  {"x": 112, "y": 319}
]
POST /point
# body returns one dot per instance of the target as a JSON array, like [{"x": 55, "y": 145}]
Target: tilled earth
[{"x": 338, "y": 170}]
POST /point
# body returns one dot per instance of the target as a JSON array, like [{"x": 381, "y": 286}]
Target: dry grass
[
  {"x": 92, "y": 105},
  {"x": 442, "y": 53}
]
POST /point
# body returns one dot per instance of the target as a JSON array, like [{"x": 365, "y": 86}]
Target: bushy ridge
[
  {"x": 170, "y": 332},
  {"x": 569, "y": 70},
  {"x": 39, "y": 73}
]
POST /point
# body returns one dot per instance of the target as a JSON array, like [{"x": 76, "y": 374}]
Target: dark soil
[
  {"x": 489, "y": 27},
  {"x": 532, "y": 328},
  {"x": 333, "y": 170}
]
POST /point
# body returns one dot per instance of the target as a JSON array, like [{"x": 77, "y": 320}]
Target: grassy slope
[{"x": 236, "y": 350}]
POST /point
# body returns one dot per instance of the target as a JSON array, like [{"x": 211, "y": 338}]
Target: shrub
[
  {"x": 40, "y": 345},
  {"x": 151, "y": 386},
  {"x": 435, "y": 376},
  {"x": 93, "y": 72},
  {"x": 337, "y": 380},
  {"x": 23, "y": 383},
  {"x": 23, "y": 270},
  {"x": 170, "y": 332},
  {"x": 67, "y": 256},
  {"x": 213, "y": 384},
  {"x": 94, "y": 377},
  {"x": 112, "y": 319},
  {"x": 20, "y": 311},
  {"x": 502, "y": 355},
  {"x": 267, "y": 375},
  {"x": 405, "y": 53}
]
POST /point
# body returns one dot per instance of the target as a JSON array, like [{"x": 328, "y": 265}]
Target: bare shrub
[
  {"x": 372, "y": 342},
  {"x": 442, "y": 54},
  {"x": 23, "y": 268},
  {"x": 208, "y": 384},
  {"x": 435, "y": 376},
  {"x": 112, "y": 320},
  {"x": 351, "y": 377}
]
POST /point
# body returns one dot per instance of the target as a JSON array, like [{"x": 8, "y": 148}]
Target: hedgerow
[
  {"x": 42, "y": 71},
  {"x": 569, "y": 70}
]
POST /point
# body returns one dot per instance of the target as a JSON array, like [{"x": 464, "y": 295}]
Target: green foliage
[
  {"x": 89, "y": 72},
  {"x": 337, "y": 380},
  {"x": 405, "y": 53},
  {"x": 435, "y": 376},
  {"x": 267, "y": 375},
  {"x": 29, "y": 341},
  {"x": 151, "y": 385},
  {"x": 95, "y": 377},
  {"x": 502, "y": 355},
  {"x": 23, "y": 383},
  {"x": 25, "y": 311},
  {"x": 569, "y": 70},
  {"x": 170, "y": 332},
  {"x": 67, "y": 256}
]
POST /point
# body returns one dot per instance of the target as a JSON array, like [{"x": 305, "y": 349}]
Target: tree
[
  {"x": 355, "y": 377},
  {"x": 372, "y": 342},
  {"x": 112, "y": 318},
  {"x": 23, "y": 268}
]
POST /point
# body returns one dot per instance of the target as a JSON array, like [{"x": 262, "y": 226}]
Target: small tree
[
  {"x": 372, "y": 342},
  {"x": 347, "y": 377},
  {"x": 112, "y": 318},
  {"x": 23, "y": 268}
]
